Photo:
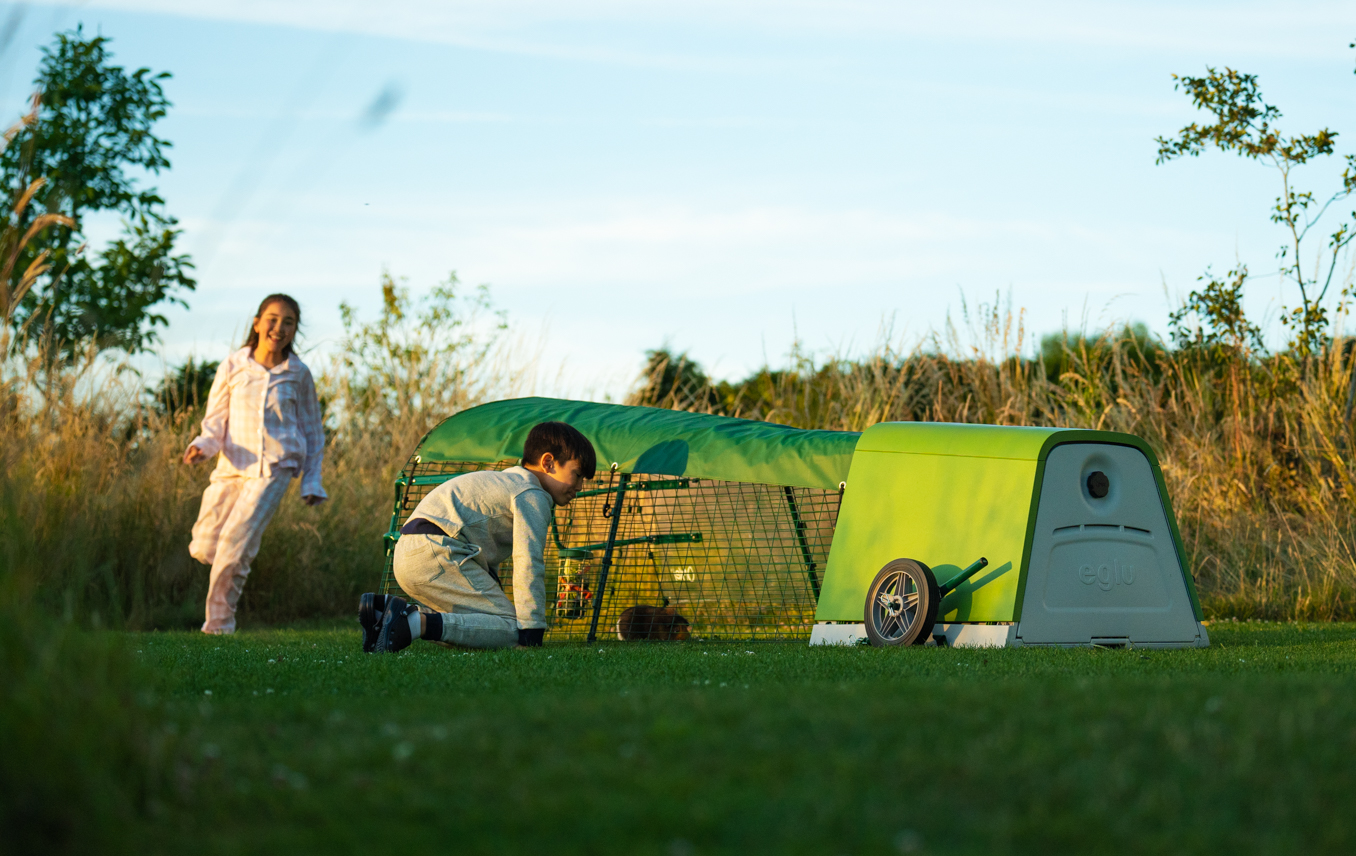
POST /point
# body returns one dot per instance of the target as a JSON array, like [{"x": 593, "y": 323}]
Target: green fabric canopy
[{"x": 650, "y": 440}]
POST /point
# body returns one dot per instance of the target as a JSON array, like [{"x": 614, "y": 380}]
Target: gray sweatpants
[{"x": 443, "y": 573}]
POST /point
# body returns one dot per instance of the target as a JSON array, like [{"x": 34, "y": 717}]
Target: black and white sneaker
[
  {"x": 395, "y": 632},
  {"x": 370, "y": 608}
]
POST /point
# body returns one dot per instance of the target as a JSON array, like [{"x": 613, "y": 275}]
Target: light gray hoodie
[{"x": 501, "y": 515}]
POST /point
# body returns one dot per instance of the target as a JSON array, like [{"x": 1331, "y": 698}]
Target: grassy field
[{"x": 293, "y": 739}]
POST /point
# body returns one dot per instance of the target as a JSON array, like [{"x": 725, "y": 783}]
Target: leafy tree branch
[
  {"x": 92, "y": 135},
  {"x": 1245, "y": 124}
]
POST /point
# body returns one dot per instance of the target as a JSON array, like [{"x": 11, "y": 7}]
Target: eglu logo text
[{"x": 1106, "y": 576}]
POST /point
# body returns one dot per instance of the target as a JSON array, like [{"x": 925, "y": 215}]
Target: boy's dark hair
[
  {"x": 564, "y": 442},
  {"x": 253, "y": 341}
]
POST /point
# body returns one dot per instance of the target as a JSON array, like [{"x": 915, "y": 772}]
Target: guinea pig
[{"x": 659, "y": 623}]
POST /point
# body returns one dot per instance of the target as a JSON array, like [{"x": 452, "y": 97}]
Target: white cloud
[{"x": 522, "y": 25}]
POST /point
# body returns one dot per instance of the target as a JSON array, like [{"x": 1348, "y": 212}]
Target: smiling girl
[{"x": 264, "y": 420}]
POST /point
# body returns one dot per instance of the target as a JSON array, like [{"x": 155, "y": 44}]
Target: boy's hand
[{"x": 193, "y": 454}]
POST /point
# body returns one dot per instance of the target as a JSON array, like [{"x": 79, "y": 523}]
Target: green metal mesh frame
[{"x": 738, "y": 561}]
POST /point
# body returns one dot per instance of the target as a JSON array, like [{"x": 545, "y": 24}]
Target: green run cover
[{"x": 651, "y": 440}]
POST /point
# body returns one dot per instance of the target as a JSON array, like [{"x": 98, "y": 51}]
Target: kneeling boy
[{"x": 449, "y": 552}]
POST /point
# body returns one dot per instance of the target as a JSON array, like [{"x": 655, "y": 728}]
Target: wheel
[{"x": 901, "y": 604}]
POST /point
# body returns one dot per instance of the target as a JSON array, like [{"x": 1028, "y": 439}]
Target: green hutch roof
[
  {"x": 651, "y": 440},
  {"x": 972, "y": 441}
]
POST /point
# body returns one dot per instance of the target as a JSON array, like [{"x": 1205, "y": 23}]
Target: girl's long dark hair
[{"x": 253, "y": 341}]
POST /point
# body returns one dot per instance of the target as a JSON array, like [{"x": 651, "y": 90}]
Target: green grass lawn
[{"x": 297, "y": 742}]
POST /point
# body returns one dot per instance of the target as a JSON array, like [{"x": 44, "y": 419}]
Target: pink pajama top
[{"x": 262, "y": 420}]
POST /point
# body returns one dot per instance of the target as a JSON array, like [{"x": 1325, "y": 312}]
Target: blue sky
[{"x": 720, "y": 177}]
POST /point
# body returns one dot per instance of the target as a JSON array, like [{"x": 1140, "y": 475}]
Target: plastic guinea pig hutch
[{"x": 907, "y": 533}]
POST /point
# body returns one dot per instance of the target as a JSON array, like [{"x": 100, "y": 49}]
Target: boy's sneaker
[
  {"x": 395, "y": 626},
  {"x": 370, "y": 608}
]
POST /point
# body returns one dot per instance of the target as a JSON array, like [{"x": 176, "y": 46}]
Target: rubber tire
[{"x": 919, "y": 631}]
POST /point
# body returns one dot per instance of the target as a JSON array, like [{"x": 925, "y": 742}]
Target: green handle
[{"x": 964, "y": 575}]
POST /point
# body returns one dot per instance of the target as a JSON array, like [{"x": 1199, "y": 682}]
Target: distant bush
[{"x": 184, "y": 390}]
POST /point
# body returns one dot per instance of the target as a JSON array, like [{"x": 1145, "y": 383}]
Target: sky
[{"x": 725, "y": 179}]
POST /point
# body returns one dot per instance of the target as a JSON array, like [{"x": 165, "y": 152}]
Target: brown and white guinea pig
[{"x": 660, "y": 623}]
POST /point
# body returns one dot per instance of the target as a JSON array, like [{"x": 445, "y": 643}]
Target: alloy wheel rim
[{"x": 896, "y": 606}]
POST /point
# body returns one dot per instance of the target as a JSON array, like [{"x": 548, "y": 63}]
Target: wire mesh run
[{"x": 673, "y": 558}]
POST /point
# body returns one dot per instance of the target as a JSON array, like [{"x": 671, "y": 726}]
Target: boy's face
[{"x": 562, "y": 481}]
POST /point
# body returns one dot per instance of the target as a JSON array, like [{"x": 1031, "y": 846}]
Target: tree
[
  {"x": 676, "y": 382},
  {"x": 1245, "y": 125},
  {"x": 184, "y": 390},
  {"x": 1212, "y": 320},
  {"x": 93, "y": 130},
  {"x": 419, "y": 361}
]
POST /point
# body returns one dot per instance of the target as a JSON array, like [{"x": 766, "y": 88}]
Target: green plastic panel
[
  {"x": 950, "y": 438},
  {"x": 945, "y": 510},
  {"x": 650, "y": 440}
]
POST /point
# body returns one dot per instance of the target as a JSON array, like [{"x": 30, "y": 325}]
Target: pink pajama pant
[{"x": 235, "y": 511}]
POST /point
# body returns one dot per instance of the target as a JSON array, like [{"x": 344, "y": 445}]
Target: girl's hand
[
  {"x": 193, "y": 454},
  {"x": 312, "y": 500}
]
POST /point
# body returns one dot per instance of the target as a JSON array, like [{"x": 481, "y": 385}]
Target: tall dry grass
[
  {"x": 94, "y": 469},
  {"x": 1257, "y": 449},
  {"x": 87, "y": 753}
]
